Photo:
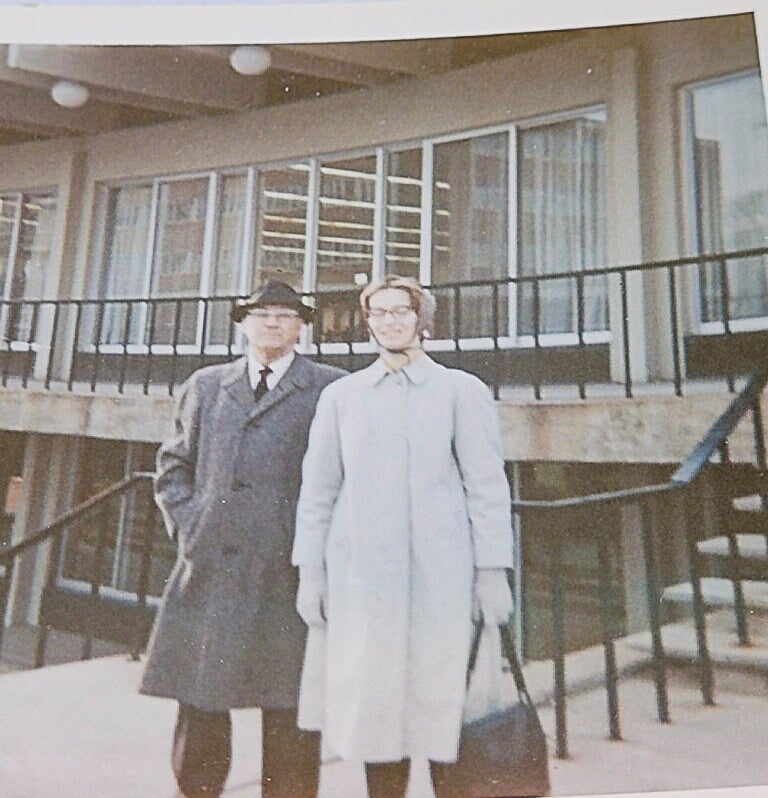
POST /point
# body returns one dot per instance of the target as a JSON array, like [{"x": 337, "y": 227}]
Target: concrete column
[
  {"x": 623, "y": 213},
  {"x": 48, "y": 483},
  {"x": 69, "y": 205},
  {"x": 663, "y": 222}
]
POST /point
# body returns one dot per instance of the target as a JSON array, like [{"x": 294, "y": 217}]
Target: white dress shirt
[{"x": 279, "y": 367}]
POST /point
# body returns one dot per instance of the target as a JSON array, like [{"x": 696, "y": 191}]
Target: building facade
[{"x": 550, "y": 193}]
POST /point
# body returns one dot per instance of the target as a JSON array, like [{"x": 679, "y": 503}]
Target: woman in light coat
[{"x": 403, "y": 524}]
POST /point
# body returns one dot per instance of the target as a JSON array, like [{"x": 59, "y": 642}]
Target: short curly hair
[{"x": 422, "y": 300}]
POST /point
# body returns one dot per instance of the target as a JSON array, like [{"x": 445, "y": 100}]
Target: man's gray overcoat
[{"x": 228, "y": 634}]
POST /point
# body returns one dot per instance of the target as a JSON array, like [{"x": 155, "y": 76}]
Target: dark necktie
[{"x": 262, "y": 387}]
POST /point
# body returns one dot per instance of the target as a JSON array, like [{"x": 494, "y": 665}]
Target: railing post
[
  {"x": 609, "y": 648},
  {"x": 675, "y": 331},
  {"x": 625, "y": 335},
  {"x": 536, "y": 338},
  {"x": 10, "y": 568},
  {"x": 558, "y": 642},
  {"x": 93, "y": 609},
  {"x": 725, "y": 309},
  {"x": 146, "y": 565},
  {"x": 580, "y": 328},
  {"x": 654, "y": 600},
  {"x": 699, "y": 619}
]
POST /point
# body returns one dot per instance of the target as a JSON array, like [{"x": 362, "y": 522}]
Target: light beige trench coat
[{"x": 403, "y": 494}]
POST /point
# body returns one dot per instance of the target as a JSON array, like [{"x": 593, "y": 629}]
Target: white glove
[
  {"x": 312, "y": 594},
  {"x": 493, "y": 601}
]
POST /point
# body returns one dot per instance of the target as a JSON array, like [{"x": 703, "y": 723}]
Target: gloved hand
[
  {"x": 493, "y": 602},
  {"x": 312, "y": 594}
]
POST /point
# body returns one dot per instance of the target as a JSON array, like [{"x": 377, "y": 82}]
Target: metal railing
[
  {"x": 572, "y": 327},
  {"x": 87, "y": 529},
  {"x": 565, "y": 513}
]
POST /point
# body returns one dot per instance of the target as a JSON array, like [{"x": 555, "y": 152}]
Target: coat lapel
[
  {"x": 296, "y": 378},
  {"x": 238, "y": 386}
]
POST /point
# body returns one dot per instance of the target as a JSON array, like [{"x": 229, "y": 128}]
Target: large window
[
  {"x": 26, "y": 234},
  {"x": 481, "y": 207},
  {"x": 122, "y": 522},
  {"x": 728, "y": 149}
]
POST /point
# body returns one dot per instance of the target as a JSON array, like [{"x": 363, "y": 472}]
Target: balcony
[{"x": 564, "y": 335}]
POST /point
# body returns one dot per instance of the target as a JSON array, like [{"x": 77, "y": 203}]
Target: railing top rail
[
  {"x": 59, "y": 524},
  {"x": 688, "y": 260}
]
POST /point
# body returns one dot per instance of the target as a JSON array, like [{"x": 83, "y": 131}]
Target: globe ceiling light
[
  {"x": 250, "y": 59},
  {"x": 69, "y": 94}
]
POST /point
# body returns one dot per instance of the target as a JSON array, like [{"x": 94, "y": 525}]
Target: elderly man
[{"x": 227, "y": 482}]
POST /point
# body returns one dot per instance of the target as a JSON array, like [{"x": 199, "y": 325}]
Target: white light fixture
[
  {"x": 250, "y": 59},
  {"x": 69, "y": 94}
]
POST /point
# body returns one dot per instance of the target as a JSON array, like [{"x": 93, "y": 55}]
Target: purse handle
[{"x": 508, "y": 649}]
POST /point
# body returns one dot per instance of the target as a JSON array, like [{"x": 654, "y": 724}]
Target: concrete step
[
  {"x": 742, "y": 669},
  {"x": 718, "y": 592},
  {"x": 750, "y": 547},
  {"x": 748, "y": 504}
]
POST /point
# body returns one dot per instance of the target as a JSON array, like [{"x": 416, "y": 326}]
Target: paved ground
[{"x": 81, "y": 731}]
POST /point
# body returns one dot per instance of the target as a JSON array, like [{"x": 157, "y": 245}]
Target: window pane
[
  {"x": 9, "y": 209},
  {"x": 122, "y": 520},
  {"x": 125, "y": 264},
  {"x": 403, "y": 213},
  {"x": 282, "y": 225},
  {"x": 344, "y": 244},
  {"x": 562, "y": 223},
  {"x": 225, "y": 272},
  {"x": 178, "y": 259},
  {"x": 731, "y": 173},
  {"x": 470, "y": 231},
  {"x": 31, "y": 269}
]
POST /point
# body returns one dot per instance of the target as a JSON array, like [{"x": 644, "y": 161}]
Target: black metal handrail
[
  {"x": 712, "y": 443},
  {"x": 54, "y": 531},
  {"x": 150, "y": 341}
]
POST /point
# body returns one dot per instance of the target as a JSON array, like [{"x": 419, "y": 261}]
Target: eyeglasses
[
  {"x": 281, "y": 314},
  {"x": 397, "y": 312}
]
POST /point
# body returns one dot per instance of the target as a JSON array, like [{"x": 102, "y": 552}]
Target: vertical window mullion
[
  {"x": 379, "y": 216},
  {"x": 13, "y": 250},
  {"x": 513, "y": 251},
  {"x": 247, "y": 251},
  {"x": 210, "y": 231},
  {"x": 425, "y": 253},
  {"x": 150, "y": 257},
  {"x": 310, "y": 244}
]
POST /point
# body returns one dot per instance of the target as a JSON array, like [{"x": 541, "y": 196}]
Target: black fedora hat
[{"x": 275, "y": 292}]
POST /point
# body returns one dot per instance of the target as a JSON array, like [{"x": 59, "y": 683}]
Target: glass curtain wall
[
  {"x": 437, "y": 210},
  {"x": 729, "y": 142}
]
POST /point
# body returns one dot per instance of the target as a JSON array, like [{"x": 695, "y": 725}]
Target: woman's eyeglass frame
[{"x": 397, "y": 312}]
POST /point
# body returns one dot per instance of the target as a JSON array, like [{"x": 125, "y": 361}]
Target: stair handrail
[
  {"x": 687, "y": 471},
  {"x": 59, "y": 524},
  {"x": 715, "y": 439},
  {"x": 55, "y": 528}
]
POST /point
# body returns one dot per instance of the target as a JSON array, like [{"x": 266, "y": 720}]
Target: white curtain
[{"x": 562, "y": 223}]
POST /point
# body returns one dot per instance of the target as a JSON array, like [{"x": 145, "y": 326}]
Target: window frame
[
  {"x": 507, "y": 339},
  {"x": 687, "y": 130}
]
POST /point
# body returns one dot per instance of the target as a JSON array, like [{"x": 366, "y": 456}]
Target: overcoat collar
[
  {"x": 239, "y": 388},
  {"x": 417, "y": 371}
]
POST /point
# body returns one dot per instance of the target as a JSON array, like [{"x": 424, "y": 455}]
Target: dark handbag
[{"x": 503, "y": 755}]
